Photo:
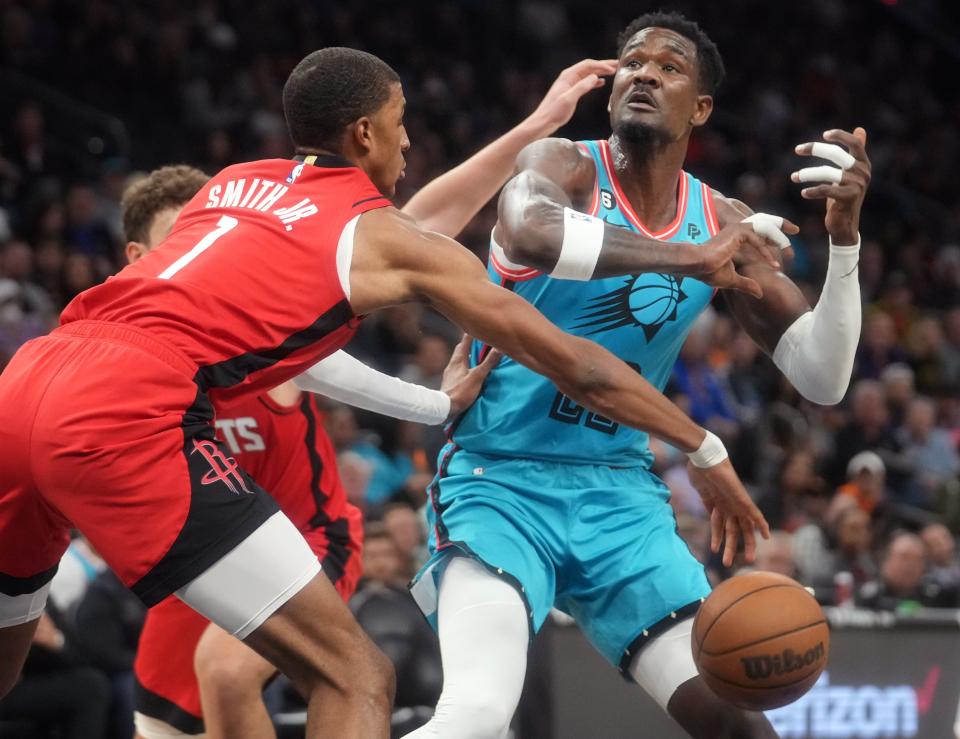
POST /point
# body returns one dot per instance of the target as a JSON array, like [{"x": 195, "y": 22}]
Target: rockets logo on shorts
[{"x": 222, "y": 468}]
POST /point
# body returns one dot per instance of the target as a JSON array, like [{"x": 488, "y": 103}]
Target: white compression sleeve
[
  {"x": 484, "y": 635},
  {"x": 348, "y": 380},
  {"x": 816, "y": 352}
]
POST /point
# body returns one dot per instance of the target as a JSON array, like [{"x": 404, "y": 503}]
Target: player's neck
[{"x": 649, "y": 177}]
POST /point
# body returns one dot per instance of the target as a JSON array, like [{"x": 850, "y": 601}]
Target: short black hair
[
  {"x": 330, "y": 89},
  {"x": 708, "y": 57}
]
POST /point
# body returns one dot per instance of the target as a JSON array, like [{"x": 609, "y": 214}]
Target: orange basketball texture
[{"x": 760, "y": 641}]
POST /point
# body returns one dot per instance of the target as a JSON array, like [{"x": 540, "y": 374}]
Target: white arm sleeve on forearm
[
  {"x": 350, "y": 381},
  {"x": 816, "y": 353}
]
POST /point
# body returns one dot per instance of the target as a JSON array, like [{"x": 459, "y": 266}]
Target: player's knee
[
  {"x": 378, "y": 681},
  {"x": 480, "y": 715},
  {"x": 222, "y": 673}
]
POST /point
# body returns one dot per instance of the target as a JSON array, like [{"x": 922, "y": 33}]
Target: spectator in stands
[
  {"x": 899, "y": 390},
  {"x": 775, "y": 555},
  {"x": 942, "y": 555},
  {"x": 866, "y": 475},
  {"x": 930, "y": 450},
  {"x": 878, "y": 347},
  {"x": 389, "y": 616},
  {"x": 950, "y": 358},
  {"x": 709, "y": 398},
  {"x": 108, "y": 622},
  {"x": 869, "y": 428},
  {"x": 901, "y": 585},
  {"x": 407, "y": 529},
  {"x": 57, "y": 692}
]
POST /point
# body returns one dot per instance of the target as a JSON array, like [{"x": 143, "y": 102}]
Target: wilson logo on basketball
[
  {"x": 222, "y": 468},
  {"x": 762, "y": 667}
]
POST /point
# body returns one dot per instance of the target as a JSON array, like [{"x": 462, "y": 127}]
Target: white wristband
[
  {"x": 580, "y": 250},
  {"x": 711, "y": 452}
]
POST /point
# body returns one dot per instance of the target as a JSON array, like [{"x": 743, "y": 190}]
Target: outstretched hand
[
  {"x": 845, "y": 185},
  {"x": 461, "y": 381},
  {"x": 743, "y": 243},
  {"x": 560, "y": 102},
  {"x": 732, "y": 512}
]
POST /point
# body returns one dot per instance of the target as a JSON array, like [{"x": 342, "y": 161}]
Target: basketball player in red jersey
[
  {"x": 267, "y": 271},
  {"x": 276, "y": 437}
]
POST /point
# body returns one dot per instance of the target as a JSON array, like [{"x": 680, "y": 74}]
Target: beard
[{"x": 641, "y": 139}]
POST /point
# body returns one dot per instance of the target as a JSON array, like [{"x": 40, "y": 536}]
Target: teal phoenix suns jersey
[{"x": 641, "y": 318}]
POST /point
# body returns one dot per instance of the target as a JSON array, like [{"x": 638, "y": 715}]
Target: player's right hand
[
  {"x": 733, "y": 514},
  {"x": 741, "y": 244},
  {"x": 463, "y": 383},
  {"x": 558, "y": 105}
]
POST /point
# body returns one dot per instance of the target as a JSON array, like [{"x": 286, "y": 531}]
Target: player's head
[
  {"x": 668, "y": 73},
  {"x": 350, "y": 103},
  {"x": 151, "y": 205}
]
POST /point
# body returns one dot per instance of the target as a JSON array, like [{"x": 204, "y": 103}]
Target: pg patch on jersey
[{"x": 648, "y": 301}]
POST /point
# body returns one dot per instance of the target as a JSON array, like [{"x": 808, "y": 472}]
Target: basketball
[{"x": 760, "y": 641}]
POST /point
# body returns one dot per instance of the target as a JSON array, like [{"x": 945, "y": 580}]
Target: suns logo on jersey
[{"x": 648, "y": 301}]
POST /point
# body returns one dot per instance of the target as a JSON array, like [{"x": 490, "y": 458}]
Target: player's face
[
  {"x": 656, "y": 87},
  {"x": 388, "y": 142},
  {"x": 159, "y": 229}
]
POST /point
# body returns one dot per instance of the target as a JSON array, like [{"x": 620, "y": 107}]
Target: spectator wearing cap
[
  {"x": 902, "y": 585},
  {"x": 866, "y": 475}
]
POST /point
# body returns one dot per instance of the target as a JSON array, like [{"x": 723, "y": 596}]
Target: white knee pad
[{"x": 665, "y": 663}]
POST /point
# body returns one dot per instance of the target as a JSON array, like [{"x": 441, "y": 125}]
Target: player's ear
[
  {"x": 363, "y": 133},
  {"x": 702, "y": 111},
  {"x": 134, "y": 250}
]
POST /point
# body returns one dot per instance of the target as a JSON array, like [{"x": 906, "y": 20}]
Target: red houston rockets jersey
[
  {"x": 252, "y": 282},
  {"x": 287, "y": 451}
]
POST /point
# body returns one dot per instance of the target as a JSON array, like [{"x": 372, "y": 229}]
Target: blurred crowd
[{"x": 864, "y": 497}]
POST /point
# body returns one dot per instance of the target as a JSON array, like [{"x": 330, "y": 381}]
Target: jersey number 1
[{"x": 225, "y": 224}]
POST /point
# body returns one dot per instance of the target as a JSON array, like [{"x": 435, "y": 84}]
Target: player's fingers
[
  {"x": 590, "y": 82},
  {"x": 768, "y": 225},
  {"x": 462, "y": 351},
  {"x": 489, "y": 362},
  {"x": 838, "y": 192},
  {"x": 590, "y": 66},
  {"x": 731, "y": 540},
  {"x": 716, "y": 530},
  {"x": 853, "y": 142},
  {"x": 823, "y": 173},
  {"x": 764, "y": 249},
  {"x": 749, "y": 540},
  {"x": 830, "y": 152},
  {"x": 789, "y": 227},
  {"x": 746, "y": 285}
]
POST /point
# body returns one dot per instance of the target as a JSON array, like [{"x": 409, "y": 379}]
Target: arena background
[{"x": 95, "y": 92}]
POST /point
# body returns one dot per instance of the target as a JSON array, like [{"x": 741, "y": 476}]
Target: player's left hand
[
  {"x": 732, "y": 512},
  {"x": 461, "y": 381},
  {"x": 848, "y": 181},
  {"x": 558, "y": 105}
]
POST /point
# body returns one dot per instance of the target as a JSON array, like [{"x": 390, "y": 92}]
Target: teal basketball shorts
[{"x": 597, "y": 542}]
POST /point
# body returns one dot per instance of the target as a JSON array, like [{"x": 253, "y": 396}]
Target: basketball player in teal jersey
[{"x": 540, "y": 502}]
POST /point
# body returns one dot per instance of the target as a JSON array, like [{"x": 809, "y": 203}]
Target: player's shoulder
[
  {"x": 553, "y": 151},
  {"x": 729, "y": 210}
]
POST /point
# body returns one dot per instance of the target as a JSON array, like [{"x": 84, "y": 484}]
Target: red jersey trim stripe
[
  {"x": 708, "y": 208},
  {"x": 624, "y": 203},
  {"x": 595, "y": 200},
  {"x": 515, "y": 273}
]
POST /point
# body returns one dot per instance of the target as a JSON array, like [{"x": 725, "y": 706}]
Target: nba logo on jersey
[{"x": 294, "y": 173}]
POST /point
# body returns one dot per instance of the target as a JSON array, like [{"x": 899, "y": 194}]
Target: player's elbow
[{"x": 531, "y": 228}]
